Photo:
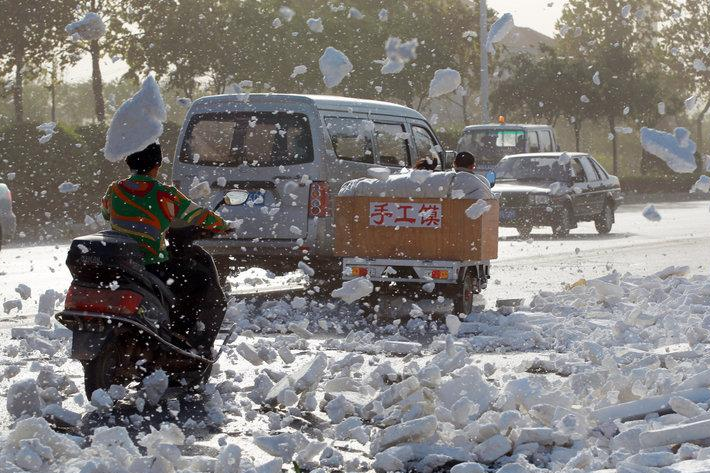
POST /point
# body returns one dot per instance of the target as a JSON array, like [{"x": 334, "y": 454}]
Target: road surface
[{"x": 524, "y": 267}]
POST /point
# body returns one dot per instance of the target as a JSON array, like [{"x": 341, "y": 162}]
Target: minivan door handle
[{"x": 288, "y": 178}]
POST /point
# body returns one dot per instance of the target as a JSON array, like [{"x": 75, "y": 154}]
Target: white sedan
[{"x": 8, "y": 221}]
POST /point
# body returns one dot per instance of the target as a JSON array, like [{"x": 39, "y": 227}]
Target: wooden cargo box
[{"x": 422, "y": 228}]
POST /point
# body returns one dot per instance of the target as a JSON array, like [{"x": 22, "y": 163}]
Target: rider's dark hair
[
  {"x": 142, "y": 162},
  {"x": 464, "y": 159}
]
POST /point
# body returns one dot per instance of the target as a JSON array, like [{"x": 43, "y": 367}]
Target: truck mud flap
[{"x": 87, "y": 345}]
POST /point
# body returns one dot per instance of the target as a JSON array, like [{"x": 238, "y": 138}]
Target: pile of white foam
[
  {"x": 620, "y": 383},
  {"x": 417, "y": 183}
]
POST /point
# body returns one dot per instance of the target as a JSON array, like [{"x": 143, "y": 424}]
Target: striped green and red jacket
[{"x": 143, "y": 208}]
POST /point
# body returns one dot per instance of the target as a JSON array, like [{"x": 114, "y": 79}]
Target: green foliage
[
  {"x": 687, "y": 34},
  {"x": 31, "y": 35},
  {"x": 544, "y": 88},
  {"x": 235, "y": 40},
  {"x": 619, "y": 50},
  {"x": 73, "y": 155}
]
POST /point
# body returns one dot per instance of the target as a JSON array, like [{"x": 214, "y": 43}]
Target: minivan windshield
[
  {"x": 490, "y": 145},
  {"x": 546, "y": 168},
  {"x": 261, "y": 139}
]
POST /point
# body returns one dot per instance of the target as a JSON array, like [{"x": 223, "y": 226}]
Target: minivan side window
[
  {"x": 533, "y": 144},
  {"x": 351, "y": 138},
  {"x": 545, "y": 141},
  {"x": 425, "y": 144},
  {"x": 392, "y": 144}
]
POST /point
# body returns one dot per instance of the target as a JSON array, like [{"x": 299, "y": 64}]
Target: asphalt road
[{"x": 524, "y": 267}]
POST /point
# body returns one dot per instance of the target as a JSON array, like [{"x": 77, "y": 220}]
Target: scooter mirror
[{"x": 236, "y": 197}]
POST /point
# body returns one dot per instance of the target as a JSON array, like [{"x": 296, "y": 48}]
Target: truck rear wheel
[{"x": 462, "y": 293}]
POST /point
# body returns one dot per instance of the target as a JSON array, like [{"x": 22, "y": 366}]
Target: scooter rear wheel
[{"x": 114, "y": 365}]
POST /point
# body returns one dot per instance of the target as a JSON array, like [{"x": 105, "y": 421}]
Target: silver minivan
[{"x": 289, "y": 155}]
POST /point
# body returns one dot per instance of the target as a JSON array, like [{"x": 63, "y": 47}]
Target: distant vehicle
[
  {"x": 291, "y": 154},
  {"x": 556, "y": 190},
  {"x": 8, "y": 221},
  {"x": 490, "y": 143}
]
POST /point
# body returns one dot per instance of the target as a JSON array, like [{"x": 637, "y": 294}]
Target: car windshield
[
  {"x": 532, "y": 168},
  {"x": 489, "y": 145},
  {"x": 253, "y": 138}
]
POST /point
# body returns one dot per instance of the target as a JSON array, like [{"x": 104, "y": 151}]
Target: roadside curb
[{"x": 660, "y": 197}]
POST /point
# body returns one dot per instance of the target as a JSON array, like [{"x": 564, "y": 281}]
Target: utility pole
[{"x": 483, "y": 37}]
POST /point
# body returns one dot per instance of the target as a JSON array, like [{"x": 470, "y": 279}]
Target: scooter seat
[{"x": 109, "y": 256}]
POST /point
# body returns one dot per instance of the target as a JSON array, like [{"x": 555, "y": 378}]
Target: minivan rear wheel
[
  {"x": 224, "y": 265},
  {"x": 524, "y": 230}
]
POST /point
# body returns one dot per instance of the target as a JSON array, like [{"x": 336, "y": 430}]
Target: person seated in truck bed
[
  {"x": 466, "y": 184},
  {"x": 460, "y": 183},
  {"x": 427, "y": 164}
]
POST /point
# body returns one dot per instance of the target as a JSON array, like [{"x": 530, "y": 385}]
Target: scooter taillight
[
  {"x": 104, "y": 301},
  {"x": 319, "y": 200}
]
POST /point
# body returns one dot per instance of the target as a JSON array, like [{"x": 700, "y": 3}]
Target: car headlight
[{"x": 539, "y": 199}]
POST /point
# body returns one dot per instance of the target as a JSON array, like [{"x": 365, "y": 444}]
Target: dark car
[{"x": 556, "y": 190}]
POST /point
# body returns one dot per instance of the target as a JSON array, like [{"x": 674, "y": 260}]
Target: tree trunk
[
  {"x": 612, "y": 130},
  {"x": 699, "y": 125},
  {"x": 97, "y": 82},
  {"x": 17, "y": 86},
  {"x": 464, "y": 107},
  {"x": 419, "y": 107},
  {"x": 53, "y": 92}
]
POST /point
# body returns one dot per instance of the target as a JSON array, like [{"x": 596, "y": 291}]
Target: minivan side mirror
[
  {"x": 491, "y": 178},
  {"x": 449, "y": 156}
]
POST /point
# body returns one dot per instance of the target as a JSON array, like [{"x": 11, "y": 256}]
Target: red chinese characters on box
[{"x": 405, "y": 214}]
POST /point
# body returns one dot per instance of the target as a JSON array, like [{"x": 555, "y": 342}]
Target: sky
[{"x": 539, "y": 15}]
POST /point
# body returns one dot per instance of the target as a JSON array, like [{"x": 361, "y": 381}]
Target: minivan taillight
[
  {"x": 319, "y": 200},
  {"x": 104, "y": 301}
]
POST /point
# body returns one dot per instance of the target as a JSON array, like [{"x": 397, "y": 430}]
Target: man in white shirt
[{"x": 467, "y": 184}]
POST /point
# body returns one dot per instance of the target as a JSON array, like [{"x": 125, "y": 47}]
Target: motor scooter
[{"x": 119, "y": 313}]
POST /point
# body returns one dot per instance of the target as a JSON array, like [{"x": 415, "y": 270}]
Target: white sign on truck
[{"x": 405, "y": 214}]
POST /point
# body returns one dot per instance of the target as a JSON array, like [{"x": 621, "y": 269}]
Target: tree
[
  {"x": 687, "y": 35},
  {"x": 620, "y": 46},
  {"x": 97, "y": 46},
  {"x": 30, "y": 34},
  {"x": 235, "y": 40},
  {"x": 546, "y": 88}
]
